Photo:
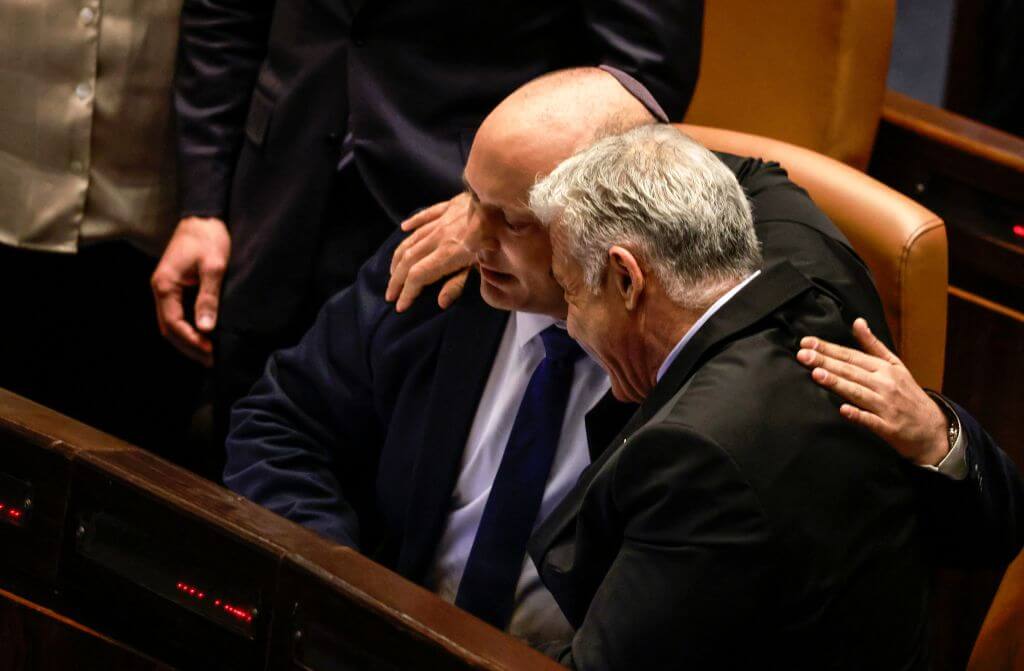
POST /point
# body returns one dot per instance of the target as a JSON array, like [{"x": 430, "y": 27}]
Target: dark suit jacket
[
  {"x": 358, "y": 431},
  {"x": 977, "y": 521},
  {"x": 739, "y": 521},
  {"x": 267, "y": 90}
]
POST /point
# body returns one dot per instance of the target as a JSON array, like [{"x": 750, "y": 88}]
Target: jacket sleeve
[
  {"x": 656, "y": 43},
  {"x": 696, "y": 569},
  {"x": 977, "y": 521},
  {"x": 791, "y": 227},
  {"x": 305, "y": 442},
  {"x": 221, "y": 47}
]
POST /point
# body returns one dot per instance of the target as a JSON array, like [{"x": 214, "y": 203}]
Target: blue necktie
[{"x": 495, "y": 561}]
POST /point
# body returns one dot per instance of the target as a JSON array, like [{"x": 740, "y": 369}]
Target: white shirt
[{"x": 536, "y": 617}]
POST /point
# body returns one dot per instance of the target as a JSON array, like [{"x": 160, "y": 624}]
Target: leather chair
[
  {"x": 810, "y": 72},
  {"x": 1000, "y": 645},
  {"x": 902, "y": 243}
]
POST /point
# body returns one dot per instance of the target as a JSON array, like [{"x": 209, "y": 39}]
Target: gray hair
[{"x": 666, "y": 198}]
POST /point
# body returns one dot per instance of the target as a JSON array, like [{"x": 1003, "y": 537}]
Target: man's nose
[{"x": 489, "y": 233}]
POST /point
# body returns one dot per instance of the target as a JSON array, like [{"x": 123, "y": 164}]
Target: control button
[
  {"x": 83, "y": 91},
  {"x": 87, "y": 16}
]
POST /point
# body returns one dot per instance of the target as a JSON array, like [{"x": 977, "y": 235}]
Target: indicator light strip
[
  {"x": 196, "y": 593},
  {"x": 10, "y": 512}
]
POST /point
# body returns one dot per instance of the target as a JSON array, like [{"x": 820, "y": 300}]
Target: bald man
[
  {"x": 405, "y": 435},
  {"x": 386, "y": 432}
]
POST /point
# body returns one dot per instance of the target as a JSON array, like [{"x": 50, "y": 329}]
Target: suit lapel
[
  {"x": 467, "y": 351},
  {"x": 775, "y": 286},
  {"x": 604, "y": 421}
]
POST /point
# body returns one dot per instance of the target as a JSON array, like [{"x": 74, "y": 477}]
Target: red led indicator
[
  {"x": 239, "y": 614},
  {"x": 10, "y": 513},
  {"x": 1018, "y": 230}
]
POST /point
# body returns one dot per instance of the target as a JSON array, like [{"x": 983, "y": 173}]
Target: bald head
[
  {"x": 561, "y": 112},
  {"x": 524, "y": 138},
  {"x": 544, "y": 122}
]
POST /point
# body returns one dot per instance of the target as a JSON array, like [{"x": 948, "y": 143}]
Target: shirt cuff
[{"x": 954, "y": 464}]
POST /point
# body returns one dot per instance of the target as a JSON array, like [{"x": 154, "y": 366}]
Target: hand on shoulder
[
  {"x": 442, "y": 244},
  {"x": 881, "y": 394}
]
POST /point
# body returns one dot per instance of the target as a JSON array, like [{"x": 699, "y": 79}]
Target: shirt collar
[
  {"x": 715, "y": 307},
  {"x": 529, "y": 325}
]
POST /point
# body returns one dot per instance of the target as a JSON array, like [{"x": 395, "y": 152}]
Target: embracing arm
[
  {"x": 304, "y": 442},
  {"x": 971, "y": 492},
  {"x": 979, "y": 519}
]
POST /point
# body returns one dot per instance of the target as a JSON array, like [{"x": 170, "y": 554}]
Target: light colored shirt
[
  {"x": 536, "y": 617},
  {"x": 86, "y": 132}
]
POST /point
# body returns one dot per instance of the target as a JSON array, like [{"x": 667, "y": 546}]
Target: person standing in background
[{"x": 87, "y": 198}]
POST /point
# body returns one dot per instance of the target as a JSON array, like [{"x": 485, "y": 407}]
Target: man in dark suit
[
  {"x": 309, "y": 128},
  {"x": 737, "y": 521},
  {"x": 369, "y": 430}
]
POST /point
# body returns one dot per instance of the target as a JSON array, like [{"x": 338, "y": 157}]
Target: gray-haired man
[{"x": 737, "y": 520}]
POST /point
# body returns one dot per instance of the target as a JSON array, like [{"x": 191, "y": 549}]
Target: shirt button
[
  {"x": 87, "y": 16},
  {"x": 83, "y": 91},
  {"x": 77, "y": 167}
]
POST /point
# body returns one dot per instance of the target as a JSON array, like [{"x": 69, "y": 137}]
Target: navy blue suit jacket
[
  {"x": 977, "y": 521},
  {"x": 358, "y": 431}
]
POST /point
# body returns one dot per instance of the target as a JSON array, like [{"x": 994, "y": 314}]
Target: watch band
[{"x": 953, "y": 431}]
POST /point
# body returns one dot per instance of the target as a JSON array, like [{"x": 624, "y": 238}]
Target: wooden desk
[{"x": 118, "y": 551}]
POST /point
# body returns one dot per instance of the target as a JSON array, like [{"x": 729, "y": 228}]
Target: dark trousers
[
  {"x": 352, "y": 228},
  {"x": 79, "y": 335}
]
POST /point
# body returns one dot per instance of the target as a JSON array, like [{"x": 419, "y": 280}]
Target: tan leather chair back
[
  {"x": 902, "y": 243},
  {"x": 810, "y": 72},
  {"x": 1000, "y": 645}
]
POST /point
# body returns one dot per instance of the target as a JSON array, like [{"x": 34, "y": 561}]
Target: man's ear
[{"x": 625, "y": 275}]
